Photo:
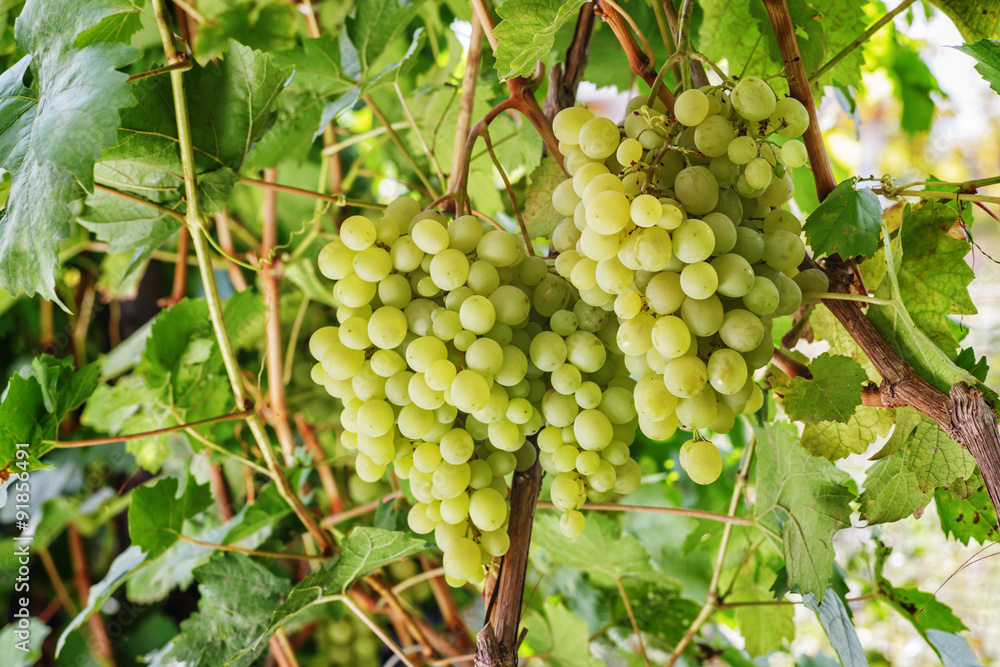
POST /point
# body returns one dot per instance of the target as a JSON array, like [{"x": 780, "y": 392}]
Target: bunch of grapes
[
  {"x": 453, "y": 348},
  {"x": 673, "y": 222}
]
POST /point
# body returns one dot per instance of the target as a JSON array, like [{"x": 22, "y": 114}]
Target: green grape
[
  {"x": 685, "y": 376},
  {"x": 598, "y": 138},
  {"x": 671, "y": 337},
  {"x": 612, "y": 276},
  {"x": 762, "y": 299},
  {"x": 603, "y": 479},
  {"x": 394, "y": 290},
  {"x": 357, "y": 232},
  {"x": 593, "y": 430},
  {"x": 794, "y": 153},
  {"x": 559, "y": 409},
  {"x": 653, "y": 401},
  {"x": 565, "y": 491},
  {"x": 608, "y": 212},
  {"x": 487, "y": 509},
  {"x": 367, "y": 469},
  {"x": 699, "y": 410},
  {"x": 780, "y": 219},
  {"x": 585, "y": 174},
  {"x": 470, "y": 392},
  {"x": 693, "y": 241},
  {"x": 567, "y": 123},
  {"x": 672, "y": 216},
  {"x": 454, "y": 511},
  {"x": 451, "y": 480},
  {"x": 498, "y": 248},
  {"x": 726, "y": 173},
  {"x": 548, "y": 351},
  {"x": 495, "y": 542},
  {"x": 727, "y": 371},
  {"x": 749, "y": 244},
  {"x": 736, "y": 277},
  {"x": 449, "y": 269},
  {"x": 701, "y": 461},
  {"x": 702, "y": 316},
  {"x": 336, "y": 260},
  {"x": 628, "y": 475},
  {"x": 634, "y": 335},
  {"x": 697, "y": 188},
  {"x": 572, "y": 523},
  {"x": 742, "y": 149},
  {"x": 783, "y": 250},
  {"x": 585, "y": 351},
  {"x": 485, "y": 356},
  {"x": 588, "y": 395},
  {"x": 618, "y": 405},
  {"x": 758, "y": 173},
  {"x": 354, "y": 291},
  {"x": 375, "y": 418},
  {"x": 464, "y": 233},
  {"x": 600, "y": 184},
  {"x": 372, "y": 264},
  {"x": 753, "y": 99},
  {"x": 664, "y": 294},
  {"x": 699, "y": 280},
  {"x": 712, "y": 136},
  {"x": 741, "y": 330},
  {"x": 653, "y": 249},
  {"x": 354, "y": 333},
  {"x": 629, "y": 152},
  {"x": 564, "y": 458},
  {"x": 810, "y": 280},
  {"x": 792, "y": 116},
  {"x": 462, "y": 559},
  {"x": 646, "y": 210},
  {"x": 477, "y": 314},
  {"x": 417, "y": 519},
  {"x": 627, "y": 305},
  {"x": 691, "y": 107},
  {"x": 761, "y": 355}
]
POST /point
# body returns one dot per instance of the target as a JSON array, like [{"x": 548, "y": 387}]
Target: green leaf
[
  {"x": 50, "y": 148},
  {"x": 122, "y": 567},
  {"x": 237, "y": 597},
  {"x": 935, "y": 458},
  {"x": 126, "y": 225},
  {"x": 914, "y": 83},
  {"x": 730, "y": 30},
  {"x": 660, "y": 610},
  {"x": 803, "y": 498},
  {"x": 540, "y": 216},
  {"x": 157, "y": 514},
  {"x": 892, "y": 488},
  {"x": 375, "y": 24},
  {"x": 934, "y": 277},
  {"x": 833, "y": 440},
  {"x": 764, "y": 627},
  {"x": 910, "y": 341},
  {"x": 33, "y": 407},
  {"x": 20, "y": 650},
  {"x": 602, "y": 550},
  {"x": 833, "y": 393},
  {"x": 953, "y": 649},
  {"x": 527, "y": 31},
  {"x": 847, "y": 222},
  {"x": 559, "y": 635},
  {"x": 121, "y": 19},
  {"x": 842, "y": 22},
  {"x": 987, "y": 55},
  {"x": 975, "y": 19},
  {"x": 268, "y": 27},
  {"x": 836, "y": 621},
  {"x": 231, "y": 107},
  {"x": 364, "y": 550},
  {"x": 966, "y": 511}
]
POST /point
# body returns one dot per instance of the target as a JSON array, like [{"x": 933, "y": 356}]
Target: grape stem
[
  {"x": 637, "y": 60},
  {"x": 678, "y": 511},
  {"x": 839, "y": 296},
  {"x": 199, "y": 236}
]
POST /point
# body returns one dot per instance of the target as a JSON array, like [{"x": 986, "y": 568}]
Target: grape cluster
[
  {"x": 453, "y": 347},
  {"x": 673, "y": 221}
]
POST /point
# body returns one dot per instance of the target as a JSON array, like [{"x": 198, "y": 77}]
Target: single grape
[
  {"x": 753, "y": 99},
  {"x": 701, "y": 461}
]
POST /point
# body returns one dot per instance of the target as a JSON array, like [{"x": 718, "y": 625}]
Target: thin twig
[
  {"x": 81, "y": 577},
  {"x": 249, "y": 552},
  {"x": 400, "y": 145},
  {"x": 631, "y": 618},
  {"x": 361, "y": 510},
  {"x": 182, "y": 66},
  {"x": 416, "y": 130},
  {"x": 374, "y": 628},
  {"x": 226, "y": 241},
  {"x": 326, "y": 478},
  {"x": 139, "y": 200},
  {"x": 678, "y": 511},
  {"x": 170, "y": 429},
  {"x": 338, "y": 200}
]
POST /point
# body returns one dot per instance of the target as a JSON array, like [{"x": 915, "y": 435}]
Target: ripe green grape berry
[{"x": 701, "y": 461}]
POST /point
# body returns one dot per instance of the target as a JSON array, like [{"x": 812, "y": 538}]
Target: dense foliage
[{"x": 299, "y": 301}]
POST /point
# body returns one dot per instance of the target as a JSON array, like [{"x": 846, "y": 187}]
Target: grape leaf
[
  {"x": 934, "y": 277},
  {"x": 803, "y": 498},
  {"x": 375, "y": 24},
  {"x": 83, "y": 92},
  {"x": 953, "y": 649},
  {"x": 230, "y": 107},
  {"x": 975, "y": 19},
  {"x": 560, "y": 635},
  {"x": 659, "y": 609},
  {"x": 269, "y": 27},
  {"x": 842, "y": 21},
  {"x": 914, "y": 83},
  {"x": 13, "y": 652},
  {"x": 540, "y": 216},
  {"x": 34, "y": 405},
  {"x": 602, "y": 551},
  {"x": 847, "y": 222},
  {"x": 933, "y": 619},
  {"x": 833, "y": 615},
  {"x": 910, "y": 341},
  {"x": 730, "y": 31},
  {"x": 157, "y": 514},
  {"x": 935, "y": 458},
  {"x": 987, "y": 55},
  {"x": 764, "y": 627},
  {"x": 527, "y": 31},
  {"x": 833, "y": 440},
  {"x": 971, "y": 517},
  {"x": 237, "y": 597},
  {"x": 833, "y": 393},
  {"x": 122, "y": 567},
  {"x": 892, "y": 488}
]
